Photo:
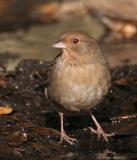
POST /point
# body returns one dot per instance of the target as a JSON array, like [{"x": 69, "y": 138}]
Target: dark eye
[{"x": 75, "y": 41}]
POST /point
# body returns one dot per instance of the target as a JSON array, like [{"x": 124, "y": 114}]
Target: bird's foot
[
  {"x": 63, "y": 136},
  {"x": 101, "y": 133}
]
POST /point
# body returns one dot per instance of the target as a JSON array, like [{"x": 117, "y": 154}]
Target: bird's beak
[{"x": 59, "y": 45}]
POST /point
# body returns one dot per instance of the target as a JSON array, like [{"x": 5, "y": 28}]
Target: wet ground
[{"x": 31, "y": 131}]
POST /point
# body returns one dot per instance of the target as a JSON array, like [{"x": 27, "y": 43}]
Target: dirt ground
[{"x": 31, "y": 131}]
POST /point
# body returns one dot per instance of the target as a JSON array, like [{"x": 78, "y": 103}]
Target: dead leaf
[
  {"x": 3, "y": 82},
  {"x": 41, "y": 148},
  {"x": 48, "y": 9},
  {"x": 123, "y": 82},
  {"x": 17, "y": 138},
  {"x": 5, "y": 110},
  {"x": 47, "y": 131}
]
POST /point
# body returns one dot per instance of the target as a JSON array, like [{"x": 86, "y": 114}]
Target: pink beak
[{"x": 59, "y": 45}]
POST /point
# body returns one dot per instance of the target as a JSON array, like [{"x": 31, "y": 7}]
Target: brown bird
[{"x": 79, "y": 80}]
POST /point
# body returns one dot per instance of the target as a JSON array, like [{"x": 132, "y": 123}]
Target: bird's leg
[
  {"x": 99, "y": 131},
  {"x": 63, "y": 135}
]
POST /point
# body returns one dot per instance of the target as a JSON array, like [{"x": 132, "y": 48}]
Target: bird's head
[{"x": 76, "y": 42}]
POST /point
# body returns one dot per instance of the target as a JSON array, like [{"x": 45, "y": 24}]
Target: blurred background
[{"x": 28, "y": 28}]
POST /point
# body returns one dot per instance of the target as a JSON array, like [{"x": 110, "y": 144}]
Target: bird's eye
[{"x": 75, "y": 41}]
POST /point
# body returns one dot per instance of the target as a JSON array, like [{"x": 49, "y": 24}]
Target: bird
[{"x": 79, "y": 80}]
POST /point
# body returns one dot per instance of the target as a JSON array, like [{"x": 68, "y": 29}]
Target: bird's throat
[{"x": 70, "y": 58}]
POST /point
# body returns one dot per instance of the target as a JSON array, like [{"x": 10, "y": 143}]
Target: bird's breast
[{"x": 75, "y": 87}]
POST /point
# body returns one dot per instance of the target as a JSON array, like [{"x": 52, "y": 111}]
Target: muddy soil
[{"x": 31, "y": 131}]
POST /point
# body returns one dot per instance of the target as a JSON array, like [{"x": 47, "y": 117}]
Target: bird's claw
[
  {"x": 101, "y": 133},
  {"x": 71, "y": 141}
]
